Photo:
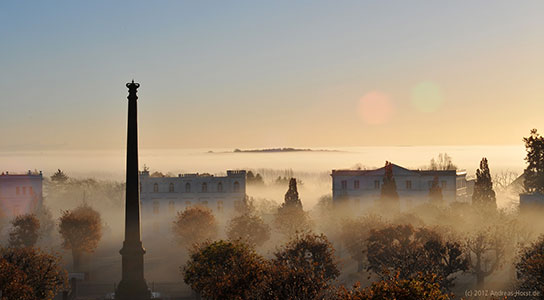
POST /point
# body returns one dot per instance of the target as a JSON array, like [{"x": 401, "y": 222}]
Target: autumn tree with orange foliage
[
  {"x": 224, "y": 270},
  {"x": 25, "y": 232},
  {"x": 421, "y": 287},
  {"x": 409, "y": 251},
  {"x": 30, "y": 274},
  {"x": 194, "y": 225},
  {"x": 302, "y": 269},
  {"x": 81, "y": 230},
  {"x": 530, "y": 267}
]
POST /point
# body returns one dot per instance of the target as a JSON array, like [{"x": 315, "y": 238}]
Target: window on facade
[
  {"x": 171, "y": 206},
  {"x": 24, "y": 190},
  {"x": 31, "y": 190},
  {"x": 156, "y": 188},
  {"x": 408, "y": 184},
  {"x": 376, "y": 184},
  {"x": 236, "y": 186},
  {"x": 220, "y": 187},
  {"x": 187, "y": 187},
  {"x": 356, "y": 184},
  {"x": 344, "y": 184},
  {"x": 156, "y": 205},
  {"x": 204, "y": 187},
  {"x": 220, "y": 205},
  {"x": 17, "y": 190},
  {"x": 443, "y": 183},
  {"x": 171, "y": 187},
  {"x": 187, "y": 203}
]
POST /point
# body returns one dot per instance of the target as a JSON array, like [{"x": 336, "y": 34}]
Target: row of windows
[
  {"x": 23, "y": 189},
  {"x": 203, "y": 187},
  {"x": 172, "y": 206},
  {"x": 377, "y": 184}
]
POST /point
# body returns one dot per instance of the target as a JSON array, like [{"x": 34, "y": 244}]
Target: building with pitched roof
[{"x": 363, "y": 187}]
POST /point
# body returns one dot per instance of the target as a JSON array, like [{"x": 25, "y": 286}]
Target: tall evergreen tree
[
  {"x": 290, "y": 217},
  {"x": 534, "y": 173},
  {"x": 389, "y": 197},
  {"x": 483, "y": 187},
  {"x": 435, "y": 192},
  {"x": 291, "y": 197}
]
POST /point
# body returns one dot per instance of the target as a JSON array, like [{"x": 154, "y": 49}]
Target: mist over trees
[
  {"x": 435, "y": 192},
  {"x": 248, "y": 227},
  {"x": 389, "y": 198},
  {"x": 194, "y": 225},
  {"x": 485, "y": 253}
]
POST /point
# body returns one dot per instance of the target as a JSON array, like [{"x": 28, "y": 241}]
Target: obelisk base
[{"x": 133, "y": 285}]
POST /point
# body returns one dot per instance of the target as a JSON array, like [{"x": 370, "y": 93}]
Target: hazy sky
[{"x": 254, "y": 74}]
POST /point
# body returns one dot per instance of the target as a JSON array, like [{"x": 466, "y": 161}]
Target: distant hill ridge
[{"x": 269, "y": 150}]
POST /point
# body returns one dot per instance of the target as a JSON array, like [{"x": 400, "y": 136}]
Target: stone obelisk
[{"x": 132, "y": 285}]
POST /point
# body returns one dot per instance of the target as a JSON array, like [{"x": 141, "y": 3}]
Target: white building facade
[
  {"x": 162, "y": 197},
  {"x": 363, "y": 187},
  {"x": 20, "y": 193}
]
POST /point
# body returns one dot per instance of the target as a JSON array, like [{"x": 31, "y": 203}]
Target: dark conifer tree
[
  {"x": 389, "y": 197},
  {"x": 291, "y": 197},
  {"x": 435, "y": 192},
  {"x": 534, "y": 173},
  {"x": 483, "y": 187}
]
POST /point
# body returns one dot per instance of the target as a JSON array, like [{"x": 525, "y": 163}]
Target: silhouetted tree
[
  {"x": 530, "y": 267},
  {"x": 25, "y": 232},
  {"x": 81, "y": 230},
  {"x": 435, "y": 192},
  {"x": 290, "y": 216},
  {"x": 443, "y": 162},
  {"x": 291, "y": 197},
  {"x": 503, "y": 179},
  {"x": 485, "y": 253},
  {"x": 224, "y": 270},
  {"x": 355, "y": 233},
  {"x": 421, "y": 287},
  {"x": 410, "y": 251},
  {"x": 484, "y": 195},
  {"x": 59, "y": 177},
  {"x": 29, "y": 270},
  {"x": 389, "y": 198},
  {"x": 303, "y": 269},
  {"x": 534, "y": 173},
  {"x": 249, "y": 228},
  {"x": 194, "y": 225}
]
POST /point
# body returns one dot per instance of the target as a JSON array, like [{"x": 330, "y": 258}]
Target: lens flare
[
  {"x": 427, "y": 97},
  {"x": 375, "y": 108}
]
